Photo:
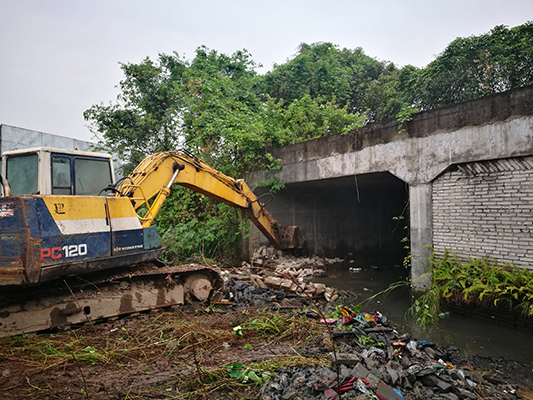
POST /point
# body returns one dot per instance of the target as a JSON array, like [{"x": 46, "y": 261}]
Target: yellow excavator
[{"x": 76, "y": 247}]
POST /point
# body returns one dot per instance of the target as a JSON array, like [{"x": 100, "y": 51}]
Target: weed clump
[{"x": 478, "y": 282}]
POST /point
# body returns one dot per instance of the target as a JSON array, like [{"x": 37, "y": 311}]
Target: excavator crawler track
[{"x": 90, "y": 298}]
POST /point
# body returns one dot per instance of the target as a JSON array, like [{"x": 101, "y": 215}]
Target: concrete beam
[{"x": 415, "y": 160}]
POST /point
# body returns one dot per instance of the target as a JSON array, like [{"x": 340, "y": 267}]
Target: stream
[{"x": 472, "y": 335}]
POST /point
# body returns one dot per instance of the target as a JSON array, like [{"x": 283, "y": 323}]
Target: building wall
[
  {"x": 15, "y": 138},
  {"x": 486, "y": 208}
]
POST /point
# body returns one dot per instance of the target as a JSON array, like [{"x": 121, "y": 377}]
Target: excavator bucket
[{"x": 291, "y": 237}]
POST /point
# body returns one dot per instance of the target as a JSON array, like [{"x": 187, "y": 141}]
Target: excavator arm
[{"x": 158, "y": 172}]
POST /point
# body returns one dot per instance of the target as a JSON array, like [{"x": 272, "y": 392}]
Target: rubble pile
[
  {"x": 373, "y": 361},
  {"x": 273, "y": 269},
  {"x": 369, "y": 359},
  {"x": 245, "y": 294}
]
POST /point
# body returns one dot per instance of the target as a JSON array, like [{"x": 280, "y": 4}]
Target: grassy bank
[{"x": 481, "y": 282}]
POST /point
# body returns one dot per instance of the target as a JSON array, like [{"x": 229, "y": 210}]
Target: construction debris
[{"x": 270, "y": 268}]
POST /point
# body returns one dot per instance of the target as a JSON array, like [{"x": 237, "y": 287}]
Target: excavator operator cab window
[
  {"x": 91, "y": 176},
  {"x": 61, "y": 175},
  {"x": 46, "y": 170},
  {"x": 22, "y": 174},
  {"x": 82, "y": 176}
]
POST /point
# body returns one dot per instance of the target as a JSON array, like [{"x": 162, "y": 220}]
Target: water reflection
[{"x": 472, "y": 335}]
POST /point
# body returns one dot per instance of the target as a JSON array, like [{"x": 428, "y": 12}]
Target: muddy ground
[
  {"x": 173, "y": 353},
  {"x": 187, "y": 353}
]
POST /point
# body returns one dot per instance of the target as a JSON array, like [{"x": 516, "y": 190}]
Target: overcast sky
[{"x": 59, "y": 57}]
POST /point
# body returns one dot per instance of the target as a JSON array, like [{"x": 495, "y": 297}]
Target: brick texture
[{"x": 486, "y": 209}]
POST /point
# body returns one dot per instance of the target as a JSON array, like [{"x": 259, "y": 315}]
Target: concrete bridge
[{"x": 459, "y": 178}]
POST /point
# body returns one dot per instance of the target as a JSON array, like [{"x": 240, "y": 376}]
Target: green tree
[
  {"x": 308, "y": 118},
  {"x": 214, "y": 107},
  {"x": 477, "y": 66},
  {"x": 395, "y": 87},
  {"x": 322, "y": 70},
  {"x": 147, "y": 115}
]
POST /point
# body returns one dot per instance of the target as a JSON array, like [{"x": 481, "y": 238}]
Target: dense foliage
[
  {"x": 213, "y": 107},
  {"x": 324, "y": 70},
  {"x": 193, "y": 225},
  {"x": 477, "y": 66},
  {"x": 219, "y": 108},
  {"x": 481, "y": 282},
  {"x": 467, "y": 69}
]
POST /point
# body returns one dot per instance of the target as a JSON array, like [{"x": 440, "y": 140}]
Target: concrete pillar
[
  {"x": 421, "y": 229},
  {"x": 251, "y": 242}
]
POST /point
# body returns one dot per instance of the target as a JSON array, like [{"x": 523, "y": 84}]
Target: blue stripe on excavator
[{"x": 27, "y": 229}]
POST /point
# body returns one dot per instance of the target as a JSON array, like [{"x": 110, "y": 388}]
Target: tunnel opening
[{"x": 361, "y": 219}]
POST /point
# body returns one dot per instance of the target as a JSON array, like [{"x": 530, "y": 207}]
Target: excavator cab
[{"x": 46, "y": 170}]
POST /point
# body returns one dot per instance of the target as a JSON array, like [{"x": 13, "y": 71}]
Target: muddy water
[{"x": 473, "y": 335}]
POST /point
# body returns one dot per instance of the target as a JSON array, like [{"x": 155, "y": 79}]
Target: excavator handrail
[
  {"x": 6, "y": 187},
  {"x": 158, "y": 172}
]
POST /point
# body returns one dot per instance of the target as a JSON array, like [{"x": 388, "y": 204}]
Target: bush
[{"x": 479, "y": 281}]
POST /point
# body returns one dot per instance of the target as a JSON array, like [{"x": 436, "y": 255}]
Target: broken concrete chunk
[
  {"x": 372, "y": 379},
  {"x": 285, "y": 284},
  {"x": 449, "y": 396},
  {"x": 370, "y": 363},
  {"x": 430, "y": 380},
  {"x": 394, "y": 376},
  {"x": 345, "y": 359},
  {"x": 387, "y": 391},
  {"x": 360, "y": 371},
  {"x": 258, "y": 281},
  {"x": 273, "y": 282},
  {"x": 384, "y": 374},
  {"x": 444, "y": 387},
  {"x": 434, "y": 382},
  {"x": 331, "y": 298},
  {"x": 320, "y": 288},
  {"x": 345, "y": 372},
  {"x": 425, "y": 371},
  {"x": 465, "y": 394},
  {"x": 306, "y": 272}
]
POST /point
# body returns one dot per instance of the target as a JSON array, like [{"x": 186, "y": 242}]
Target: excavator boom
[{"x": 193, "y": 173}]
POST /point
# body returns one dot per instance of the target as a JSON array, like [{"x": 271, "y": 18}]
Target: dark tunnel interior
[{"x": 355, "y": 218}]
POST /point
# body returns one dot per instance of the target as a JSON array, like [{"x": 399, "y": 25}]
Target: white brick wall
[{"x": 486, "y": 208}]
